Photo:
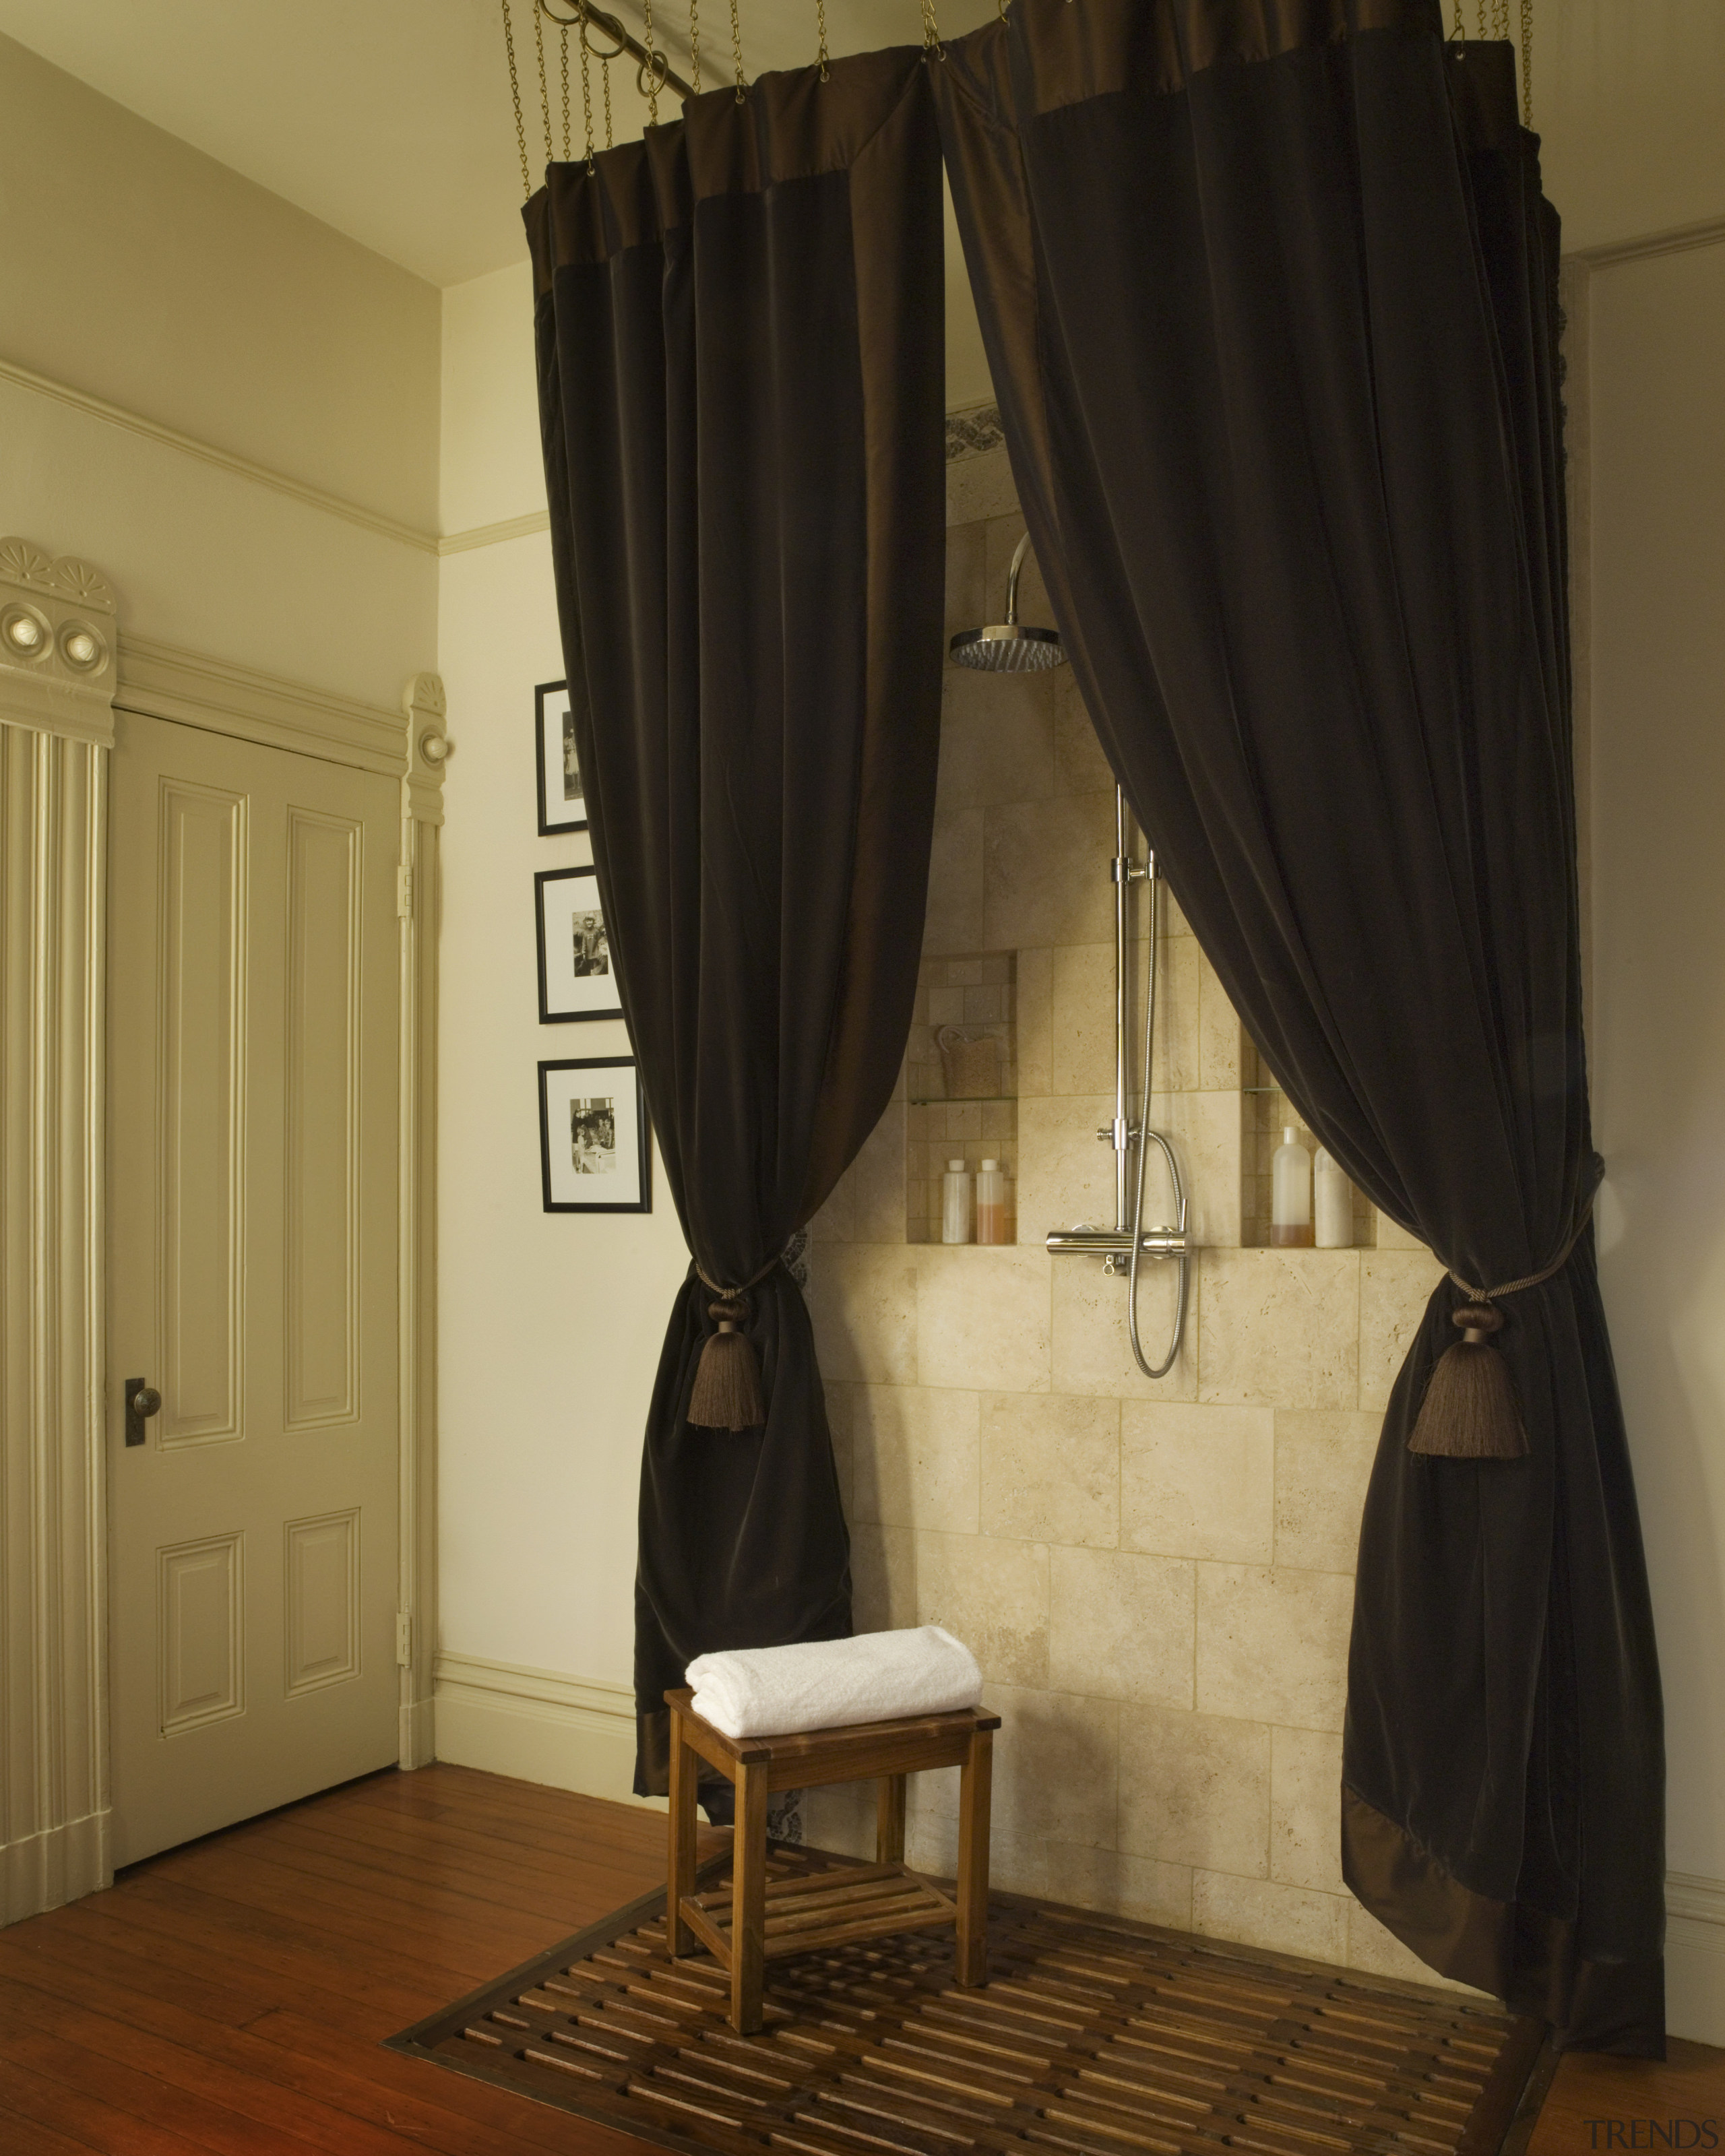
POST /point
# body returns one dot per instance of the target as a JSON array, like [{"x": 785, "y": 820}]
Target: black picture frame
[
  {"x": 564, "y": 998},
  {"x": 551, "y": 742},
  {"x": 562, "y": 1188}
]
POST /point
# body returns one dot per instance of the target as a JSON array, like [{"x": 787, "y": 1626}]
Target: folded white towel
[{"x": 832, "y": 1684}]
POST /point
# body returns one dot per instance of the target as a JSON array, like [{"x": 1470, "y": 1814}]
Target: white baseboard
[
  {"x": 1695, "y": 1957},
  {"x": 45, "y": 1871},
  {"x": 539, "y": 1726}
]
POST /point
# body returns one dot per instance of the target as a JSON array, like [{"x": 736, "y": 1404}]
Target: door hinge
[
  {"x": 403, "y": 1639},
  {"x": 404, "y": 892}
]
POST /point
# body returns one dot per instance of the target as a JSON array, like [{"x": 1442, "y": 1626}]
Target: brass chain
[
  {"x": 1459, "y": 30},
  {"x": 695, "y": 41},
  {"x": 820, "y": 17},
  {"x": 1527, "y": 63},
  {"x": 544, "y": 87},
  {"x": 586, "y": 80},
  {"x": 563, "y": 42},
  {"x": 605, "y": 86},
  {"x": 515, "y": 91},
  {"x": 736, "y": 53},
  {"x": 930, "y": 31},
  {"x": 653, "y": 66}
]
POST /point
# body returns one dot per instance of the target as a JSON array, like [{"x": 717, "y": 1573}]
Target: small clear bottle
[
  {"x": 990, "y": 1203},
  {"x": 955, "y": 1203},
  {"x": 1332, "y": 1203},
  {"x": 1291, "y": 1193}
]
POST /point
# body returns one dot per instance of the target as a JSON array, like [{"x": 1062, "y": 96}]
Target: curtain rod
[{"x": 625, "y": 43}]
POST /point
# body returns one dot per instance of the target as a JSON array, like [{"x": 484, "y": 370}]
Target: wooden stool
[{"x": 748, "y": 1925}]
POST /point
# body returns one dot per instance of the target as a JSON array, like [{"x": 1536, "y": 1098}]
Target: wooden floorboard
[{"x": 230, "y": 1997}]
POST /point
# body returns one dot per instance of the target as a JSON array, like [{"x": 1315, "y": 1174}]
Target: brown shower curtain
[
  {"x": 741, "y": 368},
  {"x": 1270, "y": 297}
]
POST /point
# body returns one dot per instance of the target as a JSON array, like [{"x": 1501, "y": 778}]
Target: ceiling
[{"x": 391, "y": 119}]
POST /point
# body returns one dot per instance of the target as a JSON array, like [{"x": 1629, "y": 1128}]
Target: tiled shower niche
[
  {"x": 1266, "y": 1112},
  {"x": 962, "y": 1081}
]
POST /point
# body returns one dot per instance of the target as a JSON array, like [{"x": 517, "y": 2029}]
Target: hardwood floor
[{"x": 232, "y": 1996}]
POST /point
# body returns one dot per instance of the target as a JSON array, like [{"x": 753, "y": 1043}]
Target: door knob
[{"x": 142, "y": 1400}]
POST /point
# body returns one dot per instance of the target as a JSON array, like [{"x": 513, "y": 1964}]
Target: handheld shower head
[{"x": 1008, "y": 646}]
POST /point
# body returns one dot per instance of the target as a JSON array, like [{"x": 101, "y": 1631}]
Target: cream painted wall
[
  {"x": 136, "y": 271},
  {"x": 550, "y": 1324},
  {"x": 490, "y": 468},
  {"x": 1656, "y": 362},
  {"x": 143, "y": 272}
]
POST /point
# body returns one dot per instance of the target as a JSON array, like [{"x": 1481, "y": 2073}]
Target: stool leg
[
  {"x": 974, "y": 1786},
  {"x": 679, "y": 1875},
  {"x": 748, "y": 1900},
  {"x": 890, "y": 1820}
]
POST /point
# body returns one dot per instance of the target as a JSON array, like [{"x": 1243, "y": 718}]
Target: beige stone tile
[
  {"x": 862, "y": 1303},
  {"x": 878, "y": 1174},
  {"x": 1083, "y": 992},
  {"x": 883, "y": 1578},
  {"x": 1121, "y": 1626},
  {"x": 1305, "y": 1808},
  {"x": 1272, "y": 1643},
  {"x": 1392, "y": 1237},
  {"x": 1091, "y": 1352},
  {"x": 1278, "y": 1328},
  {"x": 1080, "y": 765},
  {"x": 1056, "y": 1765},
  {"x": 1195, "y": 1788},
  {"x": 1066, "y": 1172},
  {"x": 1204, "y": 1128},
  {"x": 954, "y": 919},
  {"x": 916, "y": 1457},
  {"x": 841, "y": 1818},
  {"x": 1261, "y": 1913},
  {"x": 1394, "y": 1287},
  {"x": 1198, "y": 1481},
  {"x": 1220, "y": 1048},
  {"x": 982, "y": 1318},
  {"x": 997, "y": 738},
  {"x": 1174, "y": 1063},
  {"x": 1051, "y": 1467},
  {"x": 1371, "y": 1948},
  {"x": 1323, "y": 1462},
  {"x": 1015, "y": 1866},
  {"x": 979, "y": 487},
  {"x": 1045, "y": 872},
  {"x": 836, "y": 1220},
  {"x": 993, "y": 1595},
  {"x": 1034, "y": 988},
  {"x": 841, "y": 1404},
  {"x": 1119, "y": 1885},
  {"x": 966, "y": 550}
]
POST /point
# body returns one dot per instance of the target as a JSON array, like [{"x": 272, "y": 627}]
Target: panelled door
[{"x": 252, "y": 1056}]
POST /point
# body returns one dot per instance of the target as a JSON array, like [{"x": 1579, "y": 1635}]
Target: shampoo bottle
[
  {"x": 955, "y": 1203},
  {"x": 990, "y": 1203},
  {"x": 1291, "y": 1193},
  {"x": 1331, "y": 1203}
]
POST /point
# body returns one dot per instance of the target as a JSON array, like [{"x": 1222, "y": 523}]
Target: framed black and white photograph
[
  {"x": 562, "y": 803},
  {"x": 594, "y": 1155},
  {"x": 575, "y": 977}
]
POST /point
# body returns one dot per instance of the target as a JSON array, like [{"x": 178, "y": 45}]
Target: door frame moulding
[
  {"x": 58, "y": 620},
  {"x": 63, "y": 676}
]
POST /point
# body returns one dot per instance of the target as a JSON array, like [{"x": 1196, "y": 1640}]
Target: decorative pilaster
[
  {"x": 57, "y": 679},
  {"x": 421, "y": 815}
]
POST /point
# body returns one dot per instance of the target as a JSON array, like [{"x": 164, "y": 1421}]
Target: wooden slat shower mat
[{"x": 1096, "y": 2036}]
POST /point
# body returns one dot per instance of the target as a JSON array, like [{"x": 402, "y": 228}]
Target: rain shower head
[{"x": 1008, "y": 647}]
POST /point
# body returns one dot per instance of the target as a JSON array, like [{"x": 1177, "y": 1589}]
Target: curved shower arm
[{"x": 1012, "y": 580}]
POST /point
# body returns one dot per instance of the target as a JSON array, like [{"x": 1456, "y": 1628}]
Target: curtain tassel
[
  {"x": 726, "y": 1395},
  {"x": 1469, "y": 1411}
]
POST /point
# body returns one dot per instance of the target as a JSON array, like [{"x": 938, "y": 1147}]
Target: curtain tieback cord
[
  {"x": 1469, "y": 1411},
  {"x": 726, "y": 1392}
]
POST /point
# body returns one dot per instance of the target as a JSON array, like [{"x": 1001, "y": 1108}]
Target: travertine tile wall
[{"x": 1156, "y": 1579}]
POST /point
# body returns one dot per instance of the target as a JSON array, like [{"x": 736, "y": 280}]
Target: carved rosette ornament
[{"x": 58, "y": 663}]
